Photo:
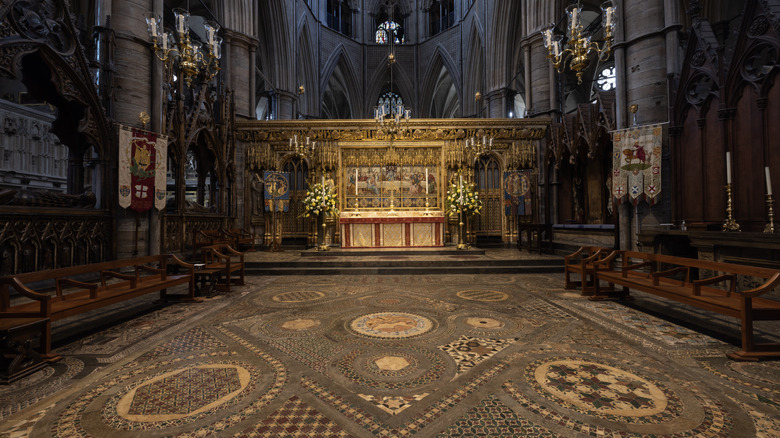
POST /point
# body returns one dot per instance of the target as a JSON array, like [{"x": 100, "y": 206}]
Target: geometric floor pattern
[{"x": 398, "y": 356}]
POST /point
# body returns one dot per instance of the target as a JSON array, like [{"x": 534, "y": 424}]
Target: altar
[{"x": 410, "y": 229}]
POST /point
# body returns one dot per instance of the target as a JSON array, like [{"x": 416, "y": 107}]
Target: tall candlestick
[
  {"x": 768, "y": 181},
  {"x": 728, "y": 167},
  {"x": 426, "y": 179},
  {"x": 461, "y": 189}
]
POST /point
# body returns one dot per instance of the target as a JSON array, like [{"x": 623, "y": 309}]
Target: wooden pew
[
  {"x": 227, "y": 262},
  {"x": 25, "y": 323},
  {"x": 582, "y": 262},
  {"x": 204, "y": 238},
  {"x": 674, "y": 278},
  {"x": 239, "y": 236}
]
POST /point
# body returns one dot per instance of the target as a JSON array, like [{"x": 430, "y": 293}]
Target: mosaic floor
[{"x": 387, "y": 356}]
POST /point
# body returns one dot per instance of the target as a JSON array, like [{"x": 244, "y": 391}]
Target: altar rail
[{"x": 34, "y": 239}]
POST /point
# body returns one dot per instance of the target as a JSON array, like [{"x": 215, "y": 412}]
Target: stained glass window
[
  {"x": 390, "y": 100},
  {"x": 605, "y": 80},
  {"x": 386, "y": 30}
]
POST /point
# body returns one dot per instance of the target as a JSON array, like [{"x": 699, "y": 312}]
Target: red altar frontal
[{"x": 383, "y": 230}]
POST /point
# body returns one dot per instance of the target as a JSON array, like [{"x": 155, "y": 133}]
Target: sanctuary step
[{"x": 403, "y": 262}]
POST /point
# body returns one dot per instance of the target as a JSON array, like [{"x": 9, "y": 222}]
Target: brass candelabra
[{"x": 730, "y": 224}]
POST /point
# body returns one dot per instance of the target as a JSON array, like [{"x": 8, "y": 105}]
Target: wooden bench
[
  {"x": 239, "y": 236},
  {"x": 582, "y": 262},
  {"x": 227, "y": 262},
  {"x": 204, "y": 238},
  {"x": 76, "y": 290},
  {"x": 691, "y": 281}
]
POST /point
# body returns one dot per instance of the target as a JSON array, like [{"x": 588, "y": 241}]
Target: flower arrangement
[
  {"x": 320, "y": 200},
  {"x": 464, "y": 197}
]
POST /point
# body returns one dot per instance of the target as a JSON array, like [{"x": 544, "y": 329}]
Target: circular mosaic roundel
[
  {"x": 482, "y": 295},
  {"x": 600, "y": 389},
  {"x": 391, "y": 325},
  {"x": 298, "y": 296}
]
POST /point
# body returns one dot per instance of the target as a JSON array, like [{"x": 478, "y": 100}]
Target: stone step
[
  {"x": 402, "y": 270},
  {"x": 408, "y": 262}
]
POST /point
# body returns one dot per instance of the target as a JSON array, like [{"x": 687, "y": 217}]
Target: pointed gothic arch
[
  {"x": 378, "y": 81},
  {"x": 278, "y": 54},
  {"x": 474, "y": 74},
  {"x": 339, "y": 85},
  {"x": 441, "y": 68},
  {"x": 307, "y": 71}
]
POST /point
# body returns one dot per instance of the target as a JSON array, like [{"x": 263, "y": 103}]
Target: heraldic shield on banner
[
  {"x": 277, "y": 191},
  {"x": 143, "y": 158},
  {"x": 636, "y": 164}
]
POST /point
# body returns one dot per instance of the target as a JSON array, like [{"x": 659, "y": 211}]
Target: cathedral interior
[{"x": 405, "y": 178}]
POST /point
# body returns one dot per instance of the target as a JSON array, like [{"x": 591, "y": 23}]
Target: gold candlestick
[
  {"x": 323, "y": 246},
  {"x": 770, "y": 212},
  {"x": 357, "y": 208},
  {"x": 730, "y": 224},
  {"x": 461, "y": 243}
]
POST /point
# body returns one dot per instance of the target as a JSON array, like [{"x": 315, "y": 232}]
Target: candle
[
  {"x": 426, "y": 179},
  {"x": 356, "y": 181},
  {"x": 153, "y": 27},
  {"x": 768, "y": 181},
  {"x": 180, "y": 23},
  {"x": 728, "y": 167},
  {"x": 323, "y": 190},
  {"x": 461, "y": 189},
  {"x": 165, "y": 42}
]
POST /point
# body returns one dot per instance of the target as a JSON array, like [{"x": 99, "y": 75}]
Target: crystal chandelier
[
  {"x": 578, "y": 41},
  {"x": 192, "y": 58}
]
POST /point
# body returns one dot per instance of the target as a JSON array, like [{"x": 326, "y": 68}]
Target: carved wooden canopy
[{"x": 47, "y": 28}]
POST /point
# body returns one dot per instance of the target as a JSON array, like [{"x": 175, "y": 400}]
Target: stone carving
[
  {"x": 759, "y": 26},
  {"x": 40, "y": 20},
  {"x": 46, "y": 198}
]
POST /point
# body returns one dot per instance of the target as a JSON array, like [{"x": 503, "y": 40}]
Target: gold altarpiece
[{"x": 383, "y": 175}]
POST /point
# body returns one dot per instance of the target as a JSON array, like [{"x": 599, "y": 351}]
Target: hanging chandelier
[
  {"x": 476, "y": 149},
  {"x": 303, "y": 150},
  {"x": 390, "y": 113},
  {"x": 578, "y": 41},
  {"x": 191, "y": 59}
]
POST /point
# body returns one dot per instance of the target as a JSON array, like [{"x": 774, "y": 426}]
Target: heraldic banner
[
  {"x": 277, "y": 191},
  {"x": 517, "y": 193},
  {"x": 636, "y": 164},
  {"x": 143, "y": 158}
]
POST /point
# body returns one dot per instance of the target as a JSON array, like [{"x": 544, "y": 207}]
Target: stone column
[
  {"x": 641, "y": 62},
  {"x": 285, "y": 104},
  {"x": 529, "y": 93},
  {"x": 133, "y": 76},
  {"x": 156, "y": 113}
]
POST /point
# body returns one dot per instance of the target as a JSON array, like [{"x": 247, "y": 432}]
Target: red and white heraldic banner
[{"x": 143, "y": 158}]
